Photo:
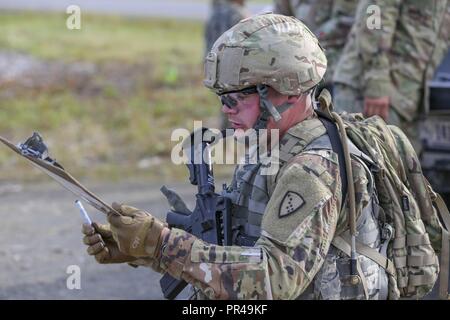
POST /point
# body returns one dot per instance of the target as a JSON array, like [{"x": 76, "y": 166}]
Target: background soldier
[
  {"x": 224, "y": 15},
  {"x": 282, "y": 229},
  {"x": 434, "y": 130},
  {"x": 384, "y": 69},
  {"x": 330, "y": 20}
]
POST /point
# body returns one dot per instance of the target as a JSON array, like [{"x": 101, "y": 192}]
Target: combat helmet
[{"x": 266, "y": 50}]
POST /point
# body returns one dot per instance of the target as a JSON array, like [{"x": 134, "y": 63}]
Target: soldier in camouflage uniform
[
  {"x": 330, "y": 20},
  {"x": 383, "y": 69},
  {"x": 265, "y": 70},
  {"x": 224, "y": 15}
]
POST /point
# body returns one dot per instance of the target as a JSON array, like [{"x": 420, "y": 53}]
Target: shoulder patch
[
  {"x": 291, "y": 202},
  {"x": 298, "y": 195}
]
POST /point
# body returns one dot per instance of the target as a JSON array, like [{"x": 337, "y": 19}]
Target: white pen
[{"x": 83, "y": 212}]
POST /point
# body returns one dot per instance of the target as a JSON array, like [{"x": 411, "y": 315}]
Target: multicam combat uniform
[
  {"x": 291, "y": 218},
  {"x": 330, "y": 21},
  {"x": 311, "y": 13},
  {"x": 285, "y": 224},
  {"x": 395, "y": 60}
]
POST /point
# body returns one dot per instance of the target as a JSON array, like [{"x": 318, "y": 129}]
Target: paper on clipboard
[{"x": 57, "y": 172}]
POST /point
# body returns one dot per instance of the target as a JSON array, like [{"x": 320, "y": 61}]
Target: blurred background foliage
[{"x": 105, "y": 98}]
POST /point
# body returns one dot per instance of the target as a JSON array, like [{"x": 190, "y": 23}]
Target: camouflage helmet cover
[{"x": 270, "y": 49}]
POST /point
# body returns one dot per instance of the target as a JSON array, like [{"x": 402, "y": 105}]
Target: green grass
[
  {"x": 148, "y": 82},
  {"x": 103, "y": 38}
]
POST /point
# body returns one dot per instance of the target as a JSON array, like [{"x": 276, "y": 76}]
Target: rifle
[{"x": 211, "y": 218}]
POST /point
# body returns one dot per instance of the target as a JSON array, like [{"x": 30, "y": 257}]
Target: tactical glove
[
  {"x": 102, "y": 245},
  {"x": 137, "y": 232}
]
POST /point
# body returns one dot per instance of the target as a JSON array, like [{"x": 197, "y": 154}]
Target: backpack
[{"x": 418, "y": 216}]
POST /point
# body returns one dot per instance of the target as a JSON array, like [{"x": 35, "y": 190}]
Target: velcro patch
[{"x": 291, "y": 202}]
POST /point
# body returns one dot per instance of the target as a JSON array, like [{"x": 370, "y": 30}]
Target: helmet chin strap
[{"x": 267, "y": 108}]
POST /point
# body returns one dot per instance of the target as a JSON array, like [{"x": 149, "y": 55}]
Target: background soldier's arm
[
  {"x": 374, "y": 45},
  {"x": 283, "y": 7}
]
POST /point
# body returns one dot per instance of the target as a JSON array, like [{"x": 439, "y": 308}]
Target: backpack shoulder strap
[
  {"x": 336, "y": 145},
  {"x": 327, "y": 108}
]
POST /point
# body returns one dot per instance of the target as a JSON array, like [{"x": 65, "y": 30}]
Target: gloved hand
[
  {"x": 137, "y": 232},
  {"x": 102, "y": 245}
]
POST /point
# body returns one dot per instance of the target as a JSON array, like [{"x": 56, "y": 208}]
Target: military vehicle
[{"x": 435, "y": 131}]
